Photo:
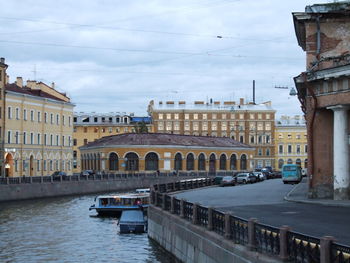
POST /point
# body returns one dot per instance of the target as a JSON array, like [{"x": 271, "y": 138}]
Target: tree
[{"x": 141, "y": 127}]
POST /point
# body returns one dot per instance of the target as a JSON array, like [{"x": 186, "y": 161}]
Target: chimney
[
  {"x": 19, "y": 82},
  {"x": 2, "y": 60},
  {"x": 241, "y": 101},
  {"x": 53, "y": 85}
]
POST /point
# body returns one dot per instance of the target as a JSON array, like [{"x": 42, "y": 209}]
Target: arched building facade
[{"x": 165, "y": 152}]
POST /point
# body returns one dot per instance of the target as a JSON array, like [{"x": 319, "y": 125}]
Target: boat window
[
  {"x": 127, "y": 201},
  {"x": 104, "y": 201},
  {"x": 115, "y": 201}
]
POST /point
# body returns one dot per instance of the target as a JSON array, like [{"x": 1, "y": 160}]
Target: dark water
[{"x": 63, "y": 230}]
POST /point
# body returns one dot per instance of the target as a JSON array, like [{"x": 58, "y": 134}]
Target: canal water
[{"x": 64, "y": 230}]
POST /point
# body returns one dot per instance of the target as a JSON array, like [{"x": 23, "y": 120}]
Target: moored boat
[
  {"x": 113, "y": 205},
  {"x": 132, "y": 221}
]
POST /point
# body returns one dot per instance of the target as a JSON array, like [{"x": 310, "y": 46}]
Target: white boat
[{"x": 113, "y": 205}]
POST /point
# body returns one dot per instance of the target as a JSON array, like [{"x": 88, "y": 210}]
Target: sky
[{"x": 117, "y": 55}]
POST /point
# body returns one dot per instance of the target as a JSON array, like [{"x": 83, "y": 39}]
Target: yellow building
[
  {"x": 291, "y": 141},
  {"x": 248, "y": 123},
  {"x": 3, "y": 79},
  {"x": 89, "y": 127},
  {"x": 39, "y": 130},
  {"x": 165, "y": 152}
]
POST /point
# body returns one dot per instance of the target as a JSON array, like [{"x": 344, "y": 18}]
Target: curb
[{"x": 313, "y": 202}]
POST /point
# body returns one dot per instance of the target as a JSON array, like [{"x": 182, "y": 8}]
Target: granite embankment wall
[
  {"x": 192, "y": 243},
  {"x": 39, "y": 187}
]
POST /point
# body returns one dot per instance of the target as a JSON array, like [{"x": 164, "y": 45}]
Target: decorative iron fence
[
  {"x": 278, "y": 242},
  {"x": 303, "y": 248},
  {"x": 340, "y": 253}
]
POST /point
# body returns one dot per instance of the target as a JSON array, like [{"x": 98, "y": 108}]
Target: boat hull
[{"x": 132, "y": 228}]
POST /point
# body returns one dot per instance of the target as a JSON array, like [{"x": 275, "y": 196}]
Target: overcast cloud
[{"x": 117, "y": 55}]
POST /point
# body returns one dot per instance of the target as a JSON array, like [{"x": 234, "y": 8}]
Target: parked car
[
  {"x": 268, "y": 173},
  {"x": 218, "y": 179},
  {"x": 58, "y": 174},
  {"x": 260, "y": 176},
  {"x": 228, "y": 180},
  {"x": 87, "y": 172},
  {"x": 245, "y": 178},
  {"x": 278, "y": 174}
]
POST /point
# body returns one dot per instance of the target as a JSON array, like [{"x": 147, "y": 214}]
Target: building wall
[
  {"x": 247, "y": 123},
  {"x": 291, "y": 145},
  {"x": 166, "y": 154},
  {"x": 26, "y": 152},
  {"x": 89, "y": 132}
]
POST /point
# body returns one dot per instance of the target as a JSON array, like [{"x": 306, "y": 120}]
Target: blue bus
[{"x": 291, "y": 173}]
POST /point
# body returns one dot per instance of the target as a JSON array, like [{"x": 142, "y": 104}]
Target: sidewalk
[{"x": 299, "y": 195}]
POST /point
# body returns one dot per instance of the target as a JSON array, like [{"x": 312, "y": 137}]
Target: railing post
[
  {"x": 210, "y": 218},
  {"x": 163, "y": 201},
  {"x": 172, "y": 205},
  {"x": 195, "y": 214},
  {"x": 251, "y": 233},
  {"x": 326, "y": 249},
  {"x": 284, "y": 243},
  {"x": 227, "y": 225},
  {"x": 182, "y": 208},
  {"x": 7, "y": 180},
  {"x": 30, "y": 180}
]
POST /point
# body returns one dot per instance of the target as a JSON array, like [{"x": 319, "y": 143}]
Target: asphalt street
[{"x": 265, "y": 202}]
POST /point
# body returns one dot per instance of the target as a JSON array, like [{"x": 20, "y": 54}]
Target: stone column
[{"x": 340, "y": 153}]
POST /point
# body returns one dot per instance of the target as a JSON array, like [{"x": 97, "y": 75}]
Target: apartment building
[
  {"x": 89, "y": 127},
  {"x": 291, "y": 141},
  {"x": 38, "y": 131},
  {"x": 247, "y": 123}
]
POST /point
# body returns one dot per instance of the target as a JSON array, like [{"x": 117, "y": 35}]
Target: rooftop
[{"x": 152, "y": 139}]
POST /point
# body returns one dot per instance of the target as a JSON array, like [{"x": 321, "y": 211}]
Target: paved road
[{"x": 264, "y": 201}]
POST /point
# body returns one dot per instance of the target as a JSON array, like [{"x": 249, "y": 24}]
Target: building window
[
  {"x": 32, "y": 115},
  {"x": 113, "y": 162},
  {"x": 214, "y": 126},
  {"x": 190, "y": 162},
  {"x": 260, "y": 126},
  {"x": 280, "y": 149},
  {"x": 280, "y": 163},
  {"x": 204, "y": 116},
  {"x": 268, "y": 116},
  {"x": 305, "y": 148},
  {"x": 289, "y": 136},
  {"x": 176, "y": 126},
  {"x": 213, "y": 116},
  {"x": 17, "y": 113},
  {"x": 39, "y": 116},
  {"x": 187, "y": 125},
  {"x": 268, "y": 139},
  {"x": 241, "y": 138},
  {"x": 241, "y": 116},
  {"x": 260, "y": 140},
  {"x": 9, "y": 136},
  {"x": 267, "y": 152},
  {"x": 259, "y": 116},
  {"x": 24, "y": 165},
  {"x": 195, "y": 126},
  {"x": 74, "y": 142},
  {"x": 187, "y": 116},
  {"x": 224, "y": 126},
  {"x": 31, "y": 138},
  {"x": 252, "y": 116},
  {"x": 160, "y": 126},
  {"x": 176, "y": 116},
  {"x": 132, "y": 162},
  {"x": 45, "y": 117},
  {"x": 289, "y": 148},
  {"x": 85, "y": 141},
  {"x": 223, "y": 116},
  {"x": 201, "y": 162},
  {"x": 63, "y": 120},
  {"x": 298, "y": 149},
  {"x": 195, "y": 116},
  {"x": 51, "y": 139},
  {"x": 259, "y": 151},
  {"x": 44, "y": 165},
  {"x": 17, "y": 135},
  {"x": 9, "y": 113},
  {"x": 168, "y": 126},
  {"x": 63, "y": 138},
  {"x": 38, "y": 165},
  {"x": 57, "y": 140},
  {"x": 223, "y": 160},
  {"x": 110, "y": 129},
  {"x": 160, "y": 116},
  {"x": 24, "y": 138},
  {"x": 57, "y": 119},
  {"x": 298, "y": 136},
  {"x": 151, "y": 162},
  {"x": 70, "y": 121},
  {"x": 24, "y": 114},
  {"x": 268, "y": 126},
  {"x": 95, "y": 130},
  {"x": 205, "y": 126},
  {"x": 45, "y": 139},
  {"x": 243, "y": 162},
  {"x": 51, "y": 165},
  {"x": 39, "y": 139},
  {"x": 168, "y": 116},
  {"x": 16, "y": 165},
  {"x": 51, "y": 118}
]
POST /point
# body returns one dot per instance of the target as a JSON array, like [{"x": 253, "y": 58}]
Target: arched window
[
  {"x": 113, "y": 162},
  {"x": 212, "y": 163},
  {"x": 244, "y": 162},
  {"x": 298, "y": 162},
  {"x": 201, "y": 162},
  {"x": 290, "y": 161},
  {"x": 178, "y": 162},
  {"x": 280, "y": 163},
  {"x": 132, "y": 162},
  {"x": 233, "y": 162},
  {"x": 190, "y": 162},
  {"x": 223, "y": 162},
  {"x": 151, "y": 162}
]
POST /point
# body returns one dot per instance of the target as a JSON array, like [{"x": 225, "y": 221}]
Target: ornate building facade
[
  {"x": 291, "y": 141},
  {"x": 165, "y": 152},
  {"x": 247, "y": 123},
  {"x": 89, "y": 127},
  {"x": 38, "y": 131}
]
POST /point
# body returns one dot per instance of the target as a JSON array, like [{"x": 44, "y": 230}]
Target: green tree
[{"x": 141, "y": 127}]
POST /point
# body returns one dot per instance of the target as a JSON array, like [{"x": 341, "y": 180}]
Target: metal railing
[
  {"x": 101, "y": 177},
  {"x": 277, "y": 242}
]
